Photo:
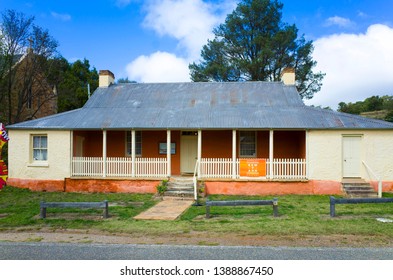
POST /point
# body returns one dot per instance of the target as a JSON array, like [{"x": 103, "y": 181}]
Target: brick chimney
[
  {"x": 106, "y": 78},
  {"x": 288, "y": 76}
]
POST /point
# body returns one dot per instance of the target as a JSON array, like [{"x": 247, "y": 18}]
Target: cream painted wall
[
  {"x": 21, "y": 165},
  {"x": 325, "y": 153}
]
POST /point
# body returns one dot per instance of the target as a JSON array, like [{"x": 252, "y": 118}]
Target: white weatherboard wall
[
  {"x": 21, "y": 165},
  {"x": 325, "y": 153}
]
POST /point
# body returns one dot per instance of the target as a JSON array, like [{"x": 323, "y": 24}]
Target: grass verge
[{"x": 299, "y": 216}]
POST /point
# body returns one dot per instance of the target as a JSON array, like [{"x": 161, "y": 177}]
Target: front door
[
  {"x": 351, "y": 156},
  {"x": 188, "y": 152}
]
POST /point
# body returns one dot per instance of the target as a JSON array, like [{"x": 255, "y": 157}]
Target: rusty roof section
[{"x": 231, "y": 105}]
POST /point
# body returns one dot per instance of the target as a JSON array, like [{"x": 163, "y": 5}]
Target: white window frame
[
  {"x": 138, "y": 142},
  {"x": 40, "y": 148},
  {"x": 240, "y": 143}
]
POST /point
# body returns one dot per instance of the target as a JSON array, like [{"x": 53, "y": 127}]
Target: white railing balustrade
[
  {"x": 287, "y": 169},
  {"x": 119, "y": 167},
  {"x": 216, "y": 168},
  {"x": 283, "y": 169},
  {"x": 210, "y": 168},
  {"x": 87, "y": 166},
  {"x": 151, "y": 167}
]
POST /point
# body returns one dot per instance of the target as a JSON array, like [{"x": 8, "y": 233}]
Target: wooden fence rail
[
  {"x": 273, "y": 202},
  {"x": 334, "y": 201},
  {"x": 44, "y": 205}
]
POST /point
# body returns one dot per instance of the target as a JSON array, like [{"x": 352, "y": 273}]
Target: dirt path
[{"x": 194, "y": 238}]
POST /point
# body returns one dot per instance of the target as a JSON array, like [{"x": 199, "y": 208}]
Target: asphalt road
[{"x": 72, "y": 251}]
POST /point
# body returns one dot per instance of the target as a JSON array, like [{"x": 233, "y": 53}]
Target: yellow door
[{"x": 188, "y": 153}]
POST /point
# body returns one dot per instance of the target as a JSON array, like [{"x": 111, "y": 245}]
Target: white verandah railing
[
  {"x": 282, "y": 169},
  {"x": 119, "y": 167},
  {"x": 215, "y": 168}
]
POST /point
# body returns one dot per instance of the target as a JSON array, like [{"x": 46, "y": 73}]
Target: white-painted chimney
[
  {"x": 106, "y": 78},
  {"x": 288, "y": 76}
]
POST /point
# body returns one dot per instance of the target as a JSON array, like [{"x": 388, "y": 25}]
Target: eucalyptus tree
[{"x": 255, "y": 45}]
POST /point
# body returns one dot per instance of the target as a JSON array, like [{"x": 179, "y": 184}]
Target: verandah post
[
  {"x": 199, "y": 151},
  {"x": 133, "y": 157},
  {"x": 168, "y": 152},
  {"x": 104, "y": 153},
  {"x": 271, "y": 154},
  {"x": 234, "y": 171},
  {"x": 71, "y": 153}
]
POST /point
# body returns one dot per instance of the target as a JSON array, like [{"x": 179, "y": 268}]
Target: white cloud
[
  {"x": 357, "y": 66},
  {"x": 63, "y": 17},
  {"x": 190, "y": 22},
  {"x": 339, "y": 21},
  {"x": 158, "y": 67}
]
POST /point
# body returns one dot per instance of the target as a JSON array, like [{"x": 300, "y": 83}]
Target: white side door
[{"x": 352, "y": 156}]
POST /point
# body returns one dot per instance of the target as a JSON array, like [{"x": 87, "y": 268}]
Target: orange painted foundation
[
  {"x": 86, "y": 185},
  {"x": 273, "y": 188},
  {"x": 387, "y": 186},
  {"x": 311, "y": 187},
  {"x": 38, "y": 185},
  {"x": 111, "y": 186}
]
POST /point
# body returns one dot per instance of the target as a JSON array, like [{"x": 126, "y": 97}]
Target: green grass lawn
[{"x": 299, "y": 215}]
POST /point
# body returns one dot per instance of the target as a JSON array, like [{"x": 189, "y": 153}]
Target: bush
[{"x": 163, "y": 187}]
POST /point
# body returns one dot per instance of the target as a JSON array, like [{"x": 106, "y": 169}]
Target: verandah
[
  {"x": 205, "y": 167},
  {"x": 285, "y": 169}
]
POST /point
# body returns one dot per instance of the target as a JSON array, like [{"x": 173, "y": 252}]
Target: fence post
[
  {"x": 332, "y": 207},
  {"x": 275, "y": 207},
  {"x": 106, "y": 210},
  {"x": 207, "y": 209},
  {"x": 42, "y": 210}
]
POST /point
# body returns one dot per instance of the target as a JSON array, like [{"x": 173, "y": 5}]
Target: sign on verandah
[
  {"x": 3, "y": 168},
  {"x": 252, "y": 167}
]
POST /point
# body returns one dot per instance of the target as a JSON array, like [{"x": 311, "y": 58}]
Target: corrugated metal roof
[{"x": 240, "y": 105}]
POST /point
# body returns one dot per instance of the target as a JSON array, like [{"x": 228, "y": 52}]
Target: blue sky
[{"x": 155, "y": 40}]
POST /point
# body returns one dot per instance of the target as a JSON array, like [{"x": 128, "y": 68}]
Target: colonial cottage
[{"x": 236, "y": 137}]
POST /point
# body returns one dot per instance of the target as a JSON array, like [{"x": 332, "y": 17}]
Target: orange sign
[{"x": 252, "y": 167}]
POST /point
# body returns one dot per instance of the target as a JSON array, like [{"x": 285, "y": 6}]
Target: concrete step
[
  {"x": 177, "y": 185},
  {"x": 179, "y": 194},
  {"x": 181, "y": 178},
  {"x": 358, "y": 190},
  {"x": 363, "y": 195},
  {"x": 170, "y": 197},
  {"x": 180, "y": 187}
]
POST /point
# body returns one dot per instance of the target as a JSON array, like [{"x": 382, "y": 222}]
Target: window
[
  {"x": 138, "y": 143},
  {"x": 40, "y": 147},
  {"x": 248, "y": 144},
  {"x": 162, "y": 148}
]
